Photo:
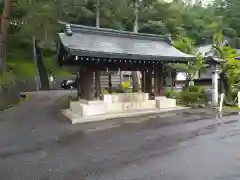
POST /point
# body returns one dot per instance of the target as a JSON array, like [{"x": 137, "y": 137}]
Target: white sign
[{"x": 181, "y": 76}]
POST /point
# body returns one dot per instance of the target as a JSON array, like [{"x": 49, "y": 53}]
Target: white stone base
[
  {"x": 88, "y": 108},
  {"x": 100, "y": 107},
  {"x": 113, "y": 104},
  {"x": 163, "y": 102},
  {"x": 75, "y": 118}
]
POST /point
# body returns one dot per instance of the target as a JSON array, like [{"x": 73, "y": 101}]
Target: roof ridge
[{"x": 83, "y": 28}]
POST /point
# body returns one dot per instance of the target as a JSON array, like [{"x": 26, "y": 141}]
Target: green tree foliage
[
  {"x": 180, "y": 18},
  {"x": 187, "y": 45},
  {"x": 231, "y": 67},
  {"x": 39, "y": 17}
]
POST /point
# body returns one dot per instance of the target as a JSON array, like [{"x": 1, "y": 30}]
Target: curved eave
[
  {"x": 128, "y": 56},
  {"x": 213, "y": 60}
]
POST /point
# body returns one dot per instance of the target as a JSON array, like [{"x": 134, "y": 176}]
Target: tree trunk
[
  {"x": 97, "y": 72},
  {"x": 135, "y": 76},
  {"x": 225, "y": 87},
  {"x": 222, "y": 83},
  {"x": 97, "y": 13},
  {"x": 4, "y": 33},
  {"x": 136, "y": 13}
]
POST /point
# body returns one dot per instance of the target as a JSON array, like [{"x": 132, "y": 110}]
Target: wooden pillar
[
  {"x": 81, "y": 84},
  {"x": 78, "y": 84},
  {"x": 143, "y": 80},
  {"x": 86, "y": 80},
  {"x": 110, "y": 83},
  {"x": 149, "y": 82},
  {"x": 97, "y": 84},
  {"x": 146, "y": 81},
  {"x": 156, "y": 81},
  {"x": 161, "y": 81},
  {"x": 174, "y": 78}
]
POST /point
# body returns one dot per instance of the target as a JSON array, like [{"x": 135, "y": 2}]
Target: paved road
[{"x": 37, "y": 143}]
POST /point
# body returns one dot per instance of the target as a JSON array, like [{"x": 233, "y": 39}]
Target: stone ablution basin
[{"x": 120, "y": 103}]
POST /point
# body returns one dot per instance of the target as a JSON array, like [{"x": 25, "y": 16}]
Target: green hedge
[
  {"x": 193, "y": 95},
  {"x": 169, "y": 93}
]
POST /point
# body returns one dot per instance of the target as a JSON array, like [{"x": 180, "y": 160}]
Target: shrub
[
  {"x": 195, "y": 89},
  {"x": 125, "y": 85},
  {"x": 9, "y": 90},
  {"x": 23, "y": 69},
  {"x": 169, "y": 93},
  {"x": 191, "y": 97},
  {"x": 193, "y": 94},
  {"x": 7, "y": 79},
  {"x": 104, "y": 91}
]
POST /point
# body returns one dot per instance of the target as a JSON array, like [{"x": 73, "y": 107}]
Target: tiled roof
[{"x": 106, "y": 43}]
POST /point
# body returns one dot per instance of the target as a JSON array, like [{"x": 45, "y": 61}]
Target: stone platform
[{"x": 117, "y": 105}]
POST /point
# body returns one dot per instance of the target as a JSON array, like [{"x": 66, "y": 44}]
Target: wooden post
[
  {"x": 86, "y": 80},
  {"x": 90, "y": 84},
  {"x": 78, "y": 84},
  {"x": 81, "y": 90},
  {"x": 174, "y": 76},
  {"x": 149, "y": 81},
  {"x": 97, "y": 84},
  {"x": 143, "y": 80},
  {"x": 110, "y": 83},
  {"x": 161, "y": 81},
  {"x": 156, "y": 81},
  {"x": 146, "y": 81}
]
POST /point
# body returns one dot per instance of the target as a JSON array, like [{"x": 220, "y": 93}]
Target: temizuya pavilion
[
  {"x": 92, "y": 50},
  {"x": 99, "y": 49}
]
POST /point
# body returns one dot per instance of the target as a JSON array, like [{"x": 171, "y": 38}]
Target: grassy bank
[{"x": 9, "y": 90}]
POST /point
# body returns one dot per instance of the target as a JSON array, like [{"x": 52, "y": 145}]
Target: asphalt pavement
[{"x": 38, "y": 143}]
